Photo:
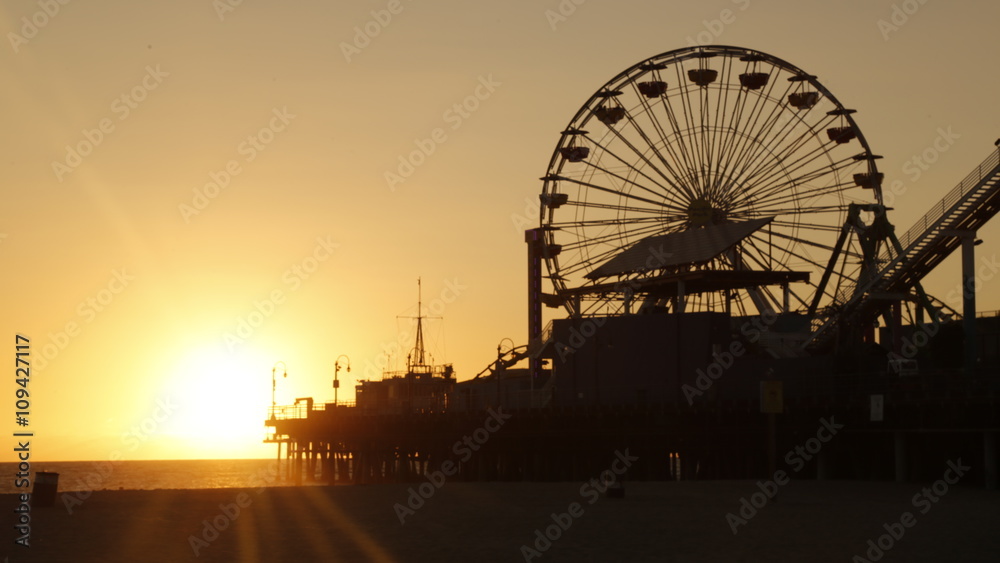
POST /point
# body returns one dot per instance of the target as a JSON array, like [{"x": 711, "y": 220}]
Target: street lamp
[
  {"x": 500, "y": 346},
  {"x": 336, "y": 370},
  {"x": 274, "y": 385},
  {"x": 500, "y": 365}
]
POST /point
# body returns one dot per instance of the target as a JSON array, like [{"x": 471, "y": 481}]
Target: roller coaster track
[{"x": 931, "y": 239}]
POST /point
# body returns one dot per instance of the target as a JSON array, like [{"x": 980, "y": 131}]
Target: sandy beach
[{"x": 682, "y": 522}]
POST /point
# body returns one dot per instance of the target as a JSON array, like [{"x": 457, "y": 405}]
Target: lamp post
[
  {"x": 274, "y": 384},
  {"x": 336, "y": 370},
  {"x": 501, "y": 367}
]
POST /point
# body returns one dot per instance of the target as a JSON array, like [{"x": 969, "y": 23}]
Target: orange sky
[{"x": 133, "y": 274}]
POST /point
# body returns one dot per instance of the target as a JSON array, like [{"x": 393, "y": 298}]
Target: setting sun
[{"x": 221, "y": 401}]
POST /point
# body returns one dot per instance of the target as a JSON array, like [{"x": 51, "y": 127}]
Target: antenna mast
[{"x": 419, "y": 348}]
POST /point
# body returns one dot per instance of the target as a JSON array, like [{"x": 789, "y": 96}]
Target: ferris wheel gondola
[{"x": 706, "y": 179}]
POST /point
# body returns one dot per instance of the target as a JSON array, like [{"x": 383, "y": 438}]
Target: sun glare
[{"x": 222, "y": 400}]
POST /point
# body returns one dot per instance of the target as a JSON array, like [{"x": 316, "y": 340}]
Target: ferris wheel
[{"x": 708, "y": 178}]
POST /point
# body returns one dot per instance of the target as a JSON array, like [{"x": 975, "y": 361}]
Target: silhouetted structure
[{"x": 705, "y": 331}]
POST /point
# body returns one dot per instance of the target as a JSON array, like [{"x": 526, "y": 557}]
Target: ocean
[{"x": 151, "y": 475}]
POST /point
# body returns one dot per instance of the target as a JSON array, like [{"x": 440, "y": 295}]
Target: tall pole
[
  {"x": 969, "y": 301},
  {"x": 336, "y": 370},
  {"x": 420, "y": 326},
  {"x": 274, "y": 382},
  {"x": 535, "y": 240}
]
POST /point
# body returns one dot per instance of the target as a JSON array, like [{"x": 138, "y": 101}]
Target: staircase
[{"x": 967, "y": 207}]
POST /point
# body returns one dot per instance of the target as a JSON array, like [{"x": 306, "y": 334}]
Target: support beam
[
  {"x": 535, "y": 240},
  {"x": 681, "y": 297},
  {"x": 969, "y": 301}
]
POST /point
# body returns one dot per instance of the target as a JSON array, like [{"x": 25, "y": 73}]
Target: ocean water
[{"x": 173, "y": 474}]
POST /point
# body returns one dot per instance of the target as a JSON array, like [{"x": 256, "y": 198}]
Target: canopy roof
[{"x": 692, "y": 246}]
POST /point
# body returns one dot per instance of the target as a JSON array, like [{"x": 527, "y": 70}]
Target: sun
[{"x": 222, "y": 399}]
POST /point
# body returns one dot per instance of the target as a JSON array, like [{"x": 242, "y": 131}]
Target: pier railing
[{"x": 301, "y": 409}]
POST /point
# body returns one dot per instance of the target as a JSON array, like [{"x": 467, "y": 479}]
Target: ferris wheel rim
[{"x": 631, "y": 75}]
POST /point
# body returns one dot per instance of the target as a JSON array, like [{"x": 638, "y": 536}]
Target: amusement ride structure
[
  {"x": 725, "y": 179},
  {"x": 713, "y": 225}
]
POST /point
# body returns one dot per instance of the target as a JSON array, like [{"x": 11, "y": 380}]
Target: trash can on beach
[{"x": 44, "y": 491}]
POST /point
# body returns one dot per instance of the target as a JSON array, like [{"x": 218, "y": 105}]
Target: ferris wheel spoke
[
  {"x": 622, "y": 208},
  {"x": 598, "y": 249},
  {"x": 799, "y": 189},
  {"x": 796, "y": 120},
  {"x": 691, "y": 125},
  {"x": 792, "y": 196},
  {"x": 790, "y": 149},
  {"x": 712, "y": 130},
  {"x": 611, "y": 191},
  {"x": 788, "y": 153},
  {"x": 757, "y": 212},
  {"x": 753, "y": 142},
  {"x": 814, "y": 244},
  {"x": 770, "y": 193},
  {"x": 741, "y": 142},
  {"x": 677, "y": 184},
  {"x": 666, "y": 192},
  {"x": 704, "y": 134},
  {"x": 744, "y": 145},
  {"x": 791, "y": 252},
  {"x": 810, "y": 226},
  {"x": 599, "y": 239},
  {"x": 616, "y": 221},
  {"x": 676, "y": 155},
  {"x": 731, "y": 148},
  {"x": 687, "y": 159},
  {"x": 638, "y": 153},
  {"x": 591, "y": 262},
  {"x": 792, "y": 174},
  {"x": 709, "y": 149}
]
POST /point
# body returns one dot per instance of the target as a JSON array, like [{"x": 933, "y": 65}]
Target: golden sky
[{"x": 174, "y": 173}]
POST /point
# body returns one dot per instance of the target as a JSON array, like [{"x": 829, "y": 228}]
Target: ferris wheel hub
[{"x": 712, "y": 176}]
